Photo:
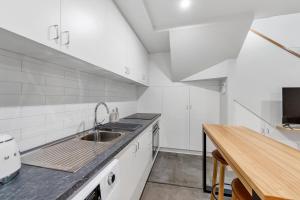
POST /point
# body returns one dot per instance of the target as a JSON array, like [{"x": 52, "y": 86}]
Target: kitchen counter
[{"x": 35, "y": 183}]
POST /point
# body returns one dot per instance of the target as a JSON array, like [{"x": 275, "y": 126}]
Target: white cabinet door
[
  {"x": 138, "y": 59},
  {"x": 84, "y": 30},
  {"x": 118, "y": 41},
  {"x": 33, "y": 19},
  {"x": 144, "y": 155},
  {"x": 175, "y": 120},
  {"x": 128, "y": 175},
  {"x": 204, "y": 108}
]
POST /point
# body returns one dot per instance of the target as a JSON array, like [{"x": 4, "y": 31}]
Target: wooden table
[{"x": 268, "y": 169}]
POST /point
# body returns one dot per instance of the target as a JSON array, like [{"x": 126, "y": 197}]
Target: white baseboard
[{"x": 183, "y": 151}]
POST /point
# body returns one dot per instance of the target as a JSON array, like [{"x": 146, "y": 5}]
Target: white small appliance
[
  {"x": 104, "y": 186},
  {"x": 10, "y": 161}
]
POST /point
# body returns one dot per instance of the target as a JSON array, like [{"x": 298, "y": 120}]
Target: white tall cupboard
[
  {"x": 204, "y": 108},
  {"x": 184, "y": 109},
  {"x": 175, "y": 120}
]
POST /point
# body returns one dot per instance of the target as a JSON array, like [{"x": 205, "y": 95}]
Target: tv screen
[{"x": 291, "y": 105}]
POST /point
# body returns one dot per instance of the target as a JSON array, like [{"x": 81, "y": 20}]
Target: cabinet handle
[
  {"x": 136, "y": 148},
  {"x": 55, "y": 26},
  {"x": 67, "y": 33},
  {"x": 127, "y": 70}
]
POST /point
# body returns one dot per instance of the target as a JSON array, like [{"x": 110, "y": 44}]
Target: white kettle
[{"x": 10, "y": 161}]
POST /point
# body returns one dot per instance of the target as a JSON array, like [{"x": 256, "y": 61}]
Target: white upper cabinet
[
  {"x": 93, "y": 31},
  {"x": 132, "y": 57},
  {"x": 117, "y": 40},
  {"x": 34, "y": 19},
  {"x": 84, "y": 30},
  {"x": 96, "y": 32}
]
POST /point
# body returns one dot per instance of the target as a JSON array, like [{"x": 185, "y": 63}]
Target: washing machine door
[{"x": 95, "y": 194}]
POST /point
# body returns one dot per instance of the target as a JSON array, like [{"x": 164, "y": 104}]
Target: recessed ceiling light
[{"x": 185, "y": 4}]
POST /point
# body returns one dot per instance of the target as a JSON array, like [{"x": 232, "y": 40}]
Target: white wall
[
  {"x": 283, "y": 29},
  {"x": 41, "y": 102},
  {"x": 255, "y": 81}
]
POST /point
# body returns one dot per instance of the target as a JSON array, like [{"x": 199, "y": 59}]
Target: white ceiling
[
  {"x": 166, "y": 14},
  {"x": 146, "y": 16}
]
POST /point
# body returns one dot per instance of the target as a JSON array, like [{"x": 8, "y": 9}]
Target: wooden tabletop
[{"x": 268, "y": 167}]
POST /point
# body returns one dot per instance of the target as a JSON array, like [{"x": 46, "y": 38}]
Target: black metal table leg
[
  {"x": 255, "y": 196},
  {"x": 205, "y": 189}
]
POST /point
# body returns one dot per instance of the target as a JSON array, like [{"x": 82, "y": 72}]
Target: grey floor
[{"x": 177, "y": 177}]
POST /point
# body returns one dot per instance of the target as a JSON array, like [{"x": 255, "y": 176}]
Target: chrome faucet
[{"x": 96, "y": 123}]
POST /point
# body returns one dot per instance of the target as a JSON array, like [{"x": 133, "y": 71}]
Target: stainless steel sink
[
  {"x": 71, "y": 155},
  {"x": 102, "y": 136}
]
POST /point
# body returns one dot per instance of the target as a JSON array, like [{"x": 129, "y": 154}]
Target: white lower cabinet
[{"x": 135, "y": 162}]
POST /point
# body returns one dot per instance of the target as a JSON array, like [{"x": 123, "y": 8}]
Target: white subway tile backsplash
[
  {"x": 23, "y": 77},
  {"x": 32, "y": 142},
  {"x": 31, "y": 132},
  {"x": 14, "y": 133},
  {"x": 43, "y": 68},
  {"x": 35, "y": 121},
  {"x": 10, "y": 63},
  {"x": 53, "y": 81},
  {"x": 10, "y": 112},
  {"x": 10, "y": 100},
  {"x": 29, "y": 100},
  {"x": 9, "y": 124},
  {"x": 42, "y": 90},
  {"x": 42, "y": 102},
  {"x": 10, "y": 88}
]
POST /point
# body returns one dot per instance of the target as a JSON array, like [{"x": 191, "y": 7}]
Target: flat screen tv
[{"x": 291, "y": 106}]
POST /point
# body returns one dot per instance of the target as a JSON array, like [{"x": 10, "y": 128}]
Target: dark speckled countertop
[{"x": 35, "y": 183}]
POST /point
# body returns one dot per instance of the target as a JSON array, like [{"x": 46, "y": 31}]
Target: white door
[
  {"x": 175, "y": 120},
  {"x": 204, "y": 108},
  {"x": 34, "y": 19},
  {"x": 84, "y": 30}
]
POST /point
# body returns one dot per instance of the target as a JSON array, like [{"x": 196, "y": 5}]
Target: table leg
[
  {"x": 206, "y": 188},
  {"x": 255, "y": 196}
]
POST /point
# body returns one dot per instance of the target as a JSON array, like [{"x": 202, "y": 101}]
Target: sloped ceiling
[
  {"x": 137, "y": 16},
  {"x": 196, "y": 48}
]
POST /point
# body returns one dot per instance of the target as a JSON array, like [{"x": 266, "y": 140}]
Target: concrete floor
[{"x": 177, "y": 177}]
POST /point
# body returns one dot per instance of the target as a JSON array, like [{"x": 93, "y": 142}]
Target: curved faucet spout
[{"x": 96, "y": 123}]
